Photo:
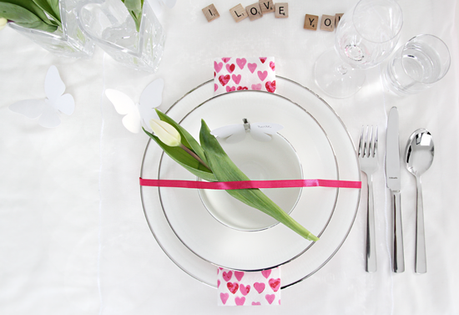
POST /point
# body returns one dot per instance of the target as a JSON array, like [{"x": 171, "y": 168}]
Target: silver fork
[{"x": 368, "y": 157}]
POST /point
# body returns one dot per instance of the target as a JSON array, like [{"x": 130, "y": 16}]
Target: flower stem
[{"x": 190, "y": 152}]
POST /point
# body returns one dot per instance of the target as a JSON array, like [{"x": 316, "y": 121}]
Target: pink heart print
[
  {"x": 245, "y": 289},
  {"x": 239, "y": 288},
  {"x": 245, "y": 73},
  {"x": 274, "y": 284},
  {"x": 241, "y": 62},
  {"x": 218, "y": 66},
  {"x": 239, "y": 275}
]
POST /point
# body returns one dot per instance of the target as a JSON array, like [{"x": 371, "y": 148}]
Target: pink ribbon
[{"x": 288, "y": 183}]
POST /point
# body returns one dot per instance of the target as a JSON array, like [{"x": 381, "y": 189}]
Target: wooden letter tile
[
  {"x": 327, "y": 23},
  {"x": 310, "y": 22},
  {"x": 238, "y": 13},
  {"x": 210, "y": 12},
  {"x": 281, "y": 10},
  {"x": 338, "y": 18},
  {"x": 253, "y": 11},
  {"x": 266, "y": 6}
]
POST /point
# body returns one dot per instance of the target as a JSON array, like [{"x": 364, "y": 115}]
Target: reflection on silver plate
[
  {"x": 267, "y": 248},
  {"x": 315, "y": 256}
]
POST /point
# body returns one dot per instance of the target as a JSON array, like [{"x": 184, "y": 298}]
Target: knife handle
[{"x": 399, "y": 259}]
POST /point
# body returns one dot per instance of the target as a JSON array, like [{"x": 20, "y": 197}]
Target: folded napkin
[
  {"x": 233, "y": 74},
  {"x": 237, "y": 288}
]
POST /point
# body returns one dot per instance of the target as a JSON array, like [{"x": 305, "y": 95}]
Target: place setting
[{"x": 252, "y": 182}]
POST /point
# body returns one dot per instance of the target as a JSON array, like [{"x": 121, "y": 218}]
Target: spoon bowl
[{"x": 419, "y": 156}]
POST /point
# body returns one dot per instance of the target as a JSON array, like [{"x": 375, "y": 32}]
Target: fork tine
[{"x": 361, "y": 149}]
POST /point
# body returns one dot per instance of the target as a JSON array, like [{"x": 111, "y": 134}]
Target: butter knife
[{"x": 393, "y": 183}]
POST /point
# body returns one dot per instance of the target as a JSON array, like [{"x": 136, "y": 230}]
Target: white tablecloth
[{"x": 73, "y": 236}]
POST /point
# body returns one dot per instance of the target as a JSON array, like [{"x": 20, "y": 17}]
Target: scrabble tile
[
  {"x": 327, "y": 23},
  {"x": 310, "y": 22},
  {"x": 238, "y": 12},
  {"x": 210, "y": 12},
  {"x": 338, "y": 18},
  {"x": 254, "y": 11},
  {"x": 281, "y": 10},
  {"x": 266, "y": 6}
]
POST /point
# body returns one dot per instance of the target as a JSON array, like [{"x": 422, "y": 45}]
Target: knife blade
[{"x": 393, "y": 183}]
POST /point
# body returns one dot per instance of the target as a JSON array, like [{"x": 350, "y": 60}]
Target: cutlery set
[{"x": 418, "y": 158}]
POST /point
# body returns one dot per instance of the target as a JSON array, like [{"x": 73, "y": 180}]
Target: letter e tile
[{"x": 281, "y": 10}]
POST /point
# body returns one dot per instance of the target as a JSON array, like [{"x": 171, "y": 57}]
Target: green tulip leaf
[
  {"x": 31, "y": 7},
  {"x": 135, "y": 10},
  {"x": 225, "y": 170},
  {"x": 51, "y": 7},
  {"x": 24, "y": 17}
]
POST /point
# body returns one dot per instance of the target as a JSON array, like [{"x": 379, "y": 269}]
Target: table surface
[{"x": 73, "y": 236}]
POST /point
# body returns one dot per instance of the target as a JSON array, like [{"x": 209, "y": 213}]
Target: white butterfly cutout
[
  {"x": 47, "y": 110},
  {"x": 157, "y": 5},
  {"x": 258, "y": 131},
  {"x": 137, "y": 115}
]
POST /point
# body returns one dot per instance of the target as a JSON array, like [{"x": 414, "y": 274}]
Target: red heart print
[
  {"x": 218, "y": 283},
  {"x": 224, "y": 79},
  {"x": 259, "y": 286},
  {"x": 232, "y": 287},
  {"x": 215, "y": 87},
  {"x": 274, "y": 284},
  {"x": 239, "y": 300},
  {"x": 272, "y": 65},
  {"x": 230, "y": 88},
  {"x": 244, "y": 289},
  {"x": 224, "y": 297},
  {"x": 218, "y": 66},
  {"x": 241, "y": 62},
  {"x": 239, "y": 88},
  {"x": 239, "y": 274},
  {"x": 262, "y": 75},
  {"x": 271, "y": 86},
  {"x": 252, "y": 67},
  {"x": 263, "y": 59},
  {"x": 236, "y": 78},
  {"x": 227, "y": 275},
  {"x": 266, "y": 273},
  {"x": 230, "y": 67},
  {"x": 256, "y": 86},
  {"x": 226, "y": 59},
  {"x": 270, "y": 298}
]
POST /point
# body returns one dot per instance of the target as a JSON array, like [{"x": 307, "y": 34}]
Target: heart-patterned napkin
[
  {"x": 239, "y": 288},
  {"x": 233, "y": 74}
]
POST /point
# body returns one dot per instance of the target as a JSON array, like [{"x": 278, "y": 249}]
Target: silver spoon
[{"x": 418, "y": 158}]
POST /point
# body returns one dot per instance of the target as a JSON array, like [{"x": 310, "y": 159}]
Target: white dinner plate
[
  {"x": 190, "y": 258},
  {"x": 231, "y": 245}
]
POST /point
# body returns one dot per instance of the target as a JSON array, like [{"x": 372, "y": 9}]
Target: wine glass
[{"x": 365, "y": 36}]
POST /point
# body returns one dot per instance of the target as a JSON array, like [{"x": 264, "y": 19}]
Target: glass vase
[
  {"x": 109, "y": 24},
  {"x": 68, "y": 40}
]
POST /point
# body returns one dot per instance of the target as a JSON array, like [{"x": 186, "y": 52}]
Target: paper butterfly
[
  {"x": 156, "y": 5},
  {"x": 137, "y": 115},
  {"x": 236, "y": 133},
  {"x": 48, "y": 109}
]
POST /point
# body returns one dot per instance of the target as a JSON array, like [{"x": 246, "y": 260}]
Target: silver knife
[{"x": 393, "y": 183}]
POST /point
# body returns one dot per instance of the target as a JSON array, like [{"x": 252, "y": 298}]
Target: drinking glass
[
  {"x": 365, "y": 36},
  {"x": 417, "y": 65},
  {"x": 109, "y": 24},
  {"x": 68, "y": 40}
]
